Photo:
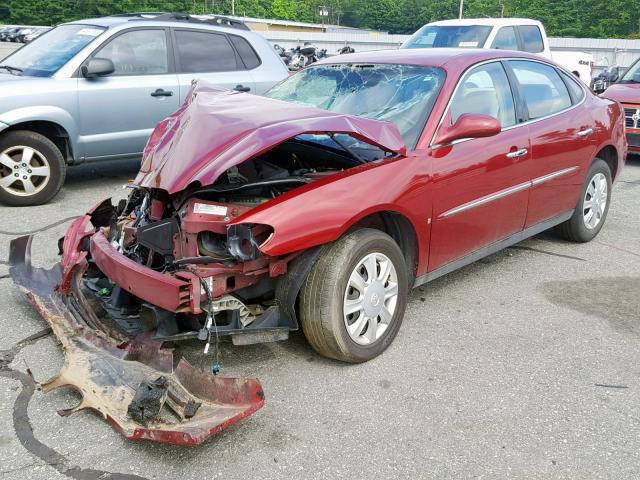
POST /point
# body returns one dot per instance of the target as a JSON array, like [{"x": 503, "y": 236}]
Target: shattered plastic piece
[
  {"x": 106, "y": 368},
  {"x": 148, "y": 400}
]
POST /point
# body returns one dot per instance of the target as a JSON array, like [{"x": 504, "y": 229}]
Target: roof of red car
[{"x": 435, "y": 57}]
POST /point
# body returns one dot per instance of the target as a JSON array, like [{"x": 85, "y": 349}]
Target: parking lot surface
[
  {"x": 6, "y": 48},
  {"x": 523, "y": 365}
]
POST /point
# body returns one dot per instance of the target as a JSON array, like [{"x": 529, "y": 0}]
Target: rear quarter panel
[{"x": 608, "y": 118}]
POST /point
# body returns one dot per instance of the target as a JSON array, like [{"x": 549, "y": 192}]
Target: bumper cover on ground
[{"x": 108, "y": 372}]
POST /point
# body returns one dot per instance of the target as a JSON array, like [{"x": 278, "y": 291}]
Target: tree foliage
[{"x": 577, "y": 18}]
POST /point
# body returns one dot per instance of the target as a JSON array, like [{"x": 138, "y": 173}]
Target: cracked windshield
[{"x": 401, "y": 94}]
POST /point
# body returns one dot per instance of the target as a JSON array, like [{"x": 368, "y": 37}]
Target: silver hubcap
[
  {"x": 24, "y": 171},
  {"x": 595, "y": 201},
  {"x": 370, "y": 298}
]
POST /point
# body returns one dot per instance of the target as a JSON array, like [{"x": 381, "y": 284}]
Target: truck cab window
[{"x": 505, "y": 39}]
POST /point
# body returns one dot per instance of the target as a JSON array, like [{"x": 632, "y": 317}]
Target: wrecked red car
[{"x": 320, "y": 205}]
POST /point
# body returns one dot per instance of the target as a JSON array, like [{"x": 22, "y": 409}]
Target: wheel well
[
  {"x": 52, "y": 131},
  {"x": 610, "y": 155},
  {"x": 398, "y": 227}
]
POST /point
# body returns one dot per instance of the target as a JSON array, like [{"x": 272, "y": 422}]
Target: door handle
[
  {"x": 162, "y": 93},
  {"x": 520, "y": 153},
  {"x": 585, "y": 133},
  {"x": 242, "y": 88}
]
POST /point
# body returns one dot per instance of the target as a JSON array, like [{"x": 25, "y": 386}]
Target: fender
[
  {"x": 322, "y": 211},
  {"x": 615, "y": 122},
  {"x": 44, "y": 113},
  {"x": 3, "y": 126}
]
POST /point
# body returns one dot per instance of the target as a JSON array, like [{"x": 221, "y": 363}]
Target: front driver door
[
  {"x": 480, "y": 185},
  {"x": 118, "y": 112}
]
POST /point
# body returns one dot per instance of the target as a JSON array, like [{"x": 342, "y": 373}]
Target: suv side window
[
  {"x": 544, "y": 91},
  {"x": 200, "y": 52},
  {"x": 485, "y": 90},
  {"x": 531, "y": 38},
  {"x": 137, "y": 52},
  {"x": 247, "y": 54},
  {"x": 505, "y": 39}
]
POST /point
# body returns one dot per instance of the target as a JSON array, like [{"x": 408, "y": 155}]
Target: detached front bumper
[{"x": 113, "y": 374}]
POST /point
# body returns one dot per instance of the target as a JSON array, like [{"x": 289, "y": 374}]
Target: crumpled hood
[
  {"x": 623, "y": 92},
  {"x": 216, "y": 129}
]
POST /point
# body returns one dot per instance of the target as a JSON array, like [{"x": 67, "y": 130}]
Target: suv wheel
[
  {"x": 353, "y": 302},
  {"x": 32, "y": 168}
]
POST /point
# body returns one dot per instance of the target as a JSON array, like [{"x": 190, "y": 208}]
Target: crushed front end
[
  {"x": 155, "y": 269},
  {"x": 183, "y": 258}
]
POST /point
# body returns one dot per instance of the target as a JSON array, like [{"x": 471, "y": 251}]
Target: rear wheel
[
  {"x": 593, "y": 205},
  {"x": 32, "y": 168},
  {"x": 353, "y": 302}
]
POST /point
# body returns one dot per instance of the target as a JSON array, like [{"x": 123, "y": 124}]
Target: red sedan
[{"x": 325, "y": 202}]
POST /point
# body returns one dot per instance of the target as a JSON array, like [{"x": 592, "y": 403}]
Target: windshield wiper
[{"x": 12, "y": 69}]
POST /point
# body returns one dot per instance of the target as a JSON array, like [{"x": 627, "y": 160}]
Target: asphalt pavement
[
  {"x": 523, "y": 365},
  {"x": 7, "y": 47}
]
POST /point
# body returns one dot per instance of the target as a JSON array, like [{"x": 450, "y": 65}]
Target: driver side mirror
[
  {"x": 469, "y": 125},
  {"x": 98, "y": 67}
]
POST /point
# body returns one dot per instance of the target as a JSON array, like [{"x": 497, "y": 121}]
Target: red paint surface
[{"x": 628, "y": 94}]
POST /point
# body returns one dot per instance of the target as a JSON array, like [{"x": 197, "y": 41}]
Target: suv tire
[{"x": 32, "y": 168}]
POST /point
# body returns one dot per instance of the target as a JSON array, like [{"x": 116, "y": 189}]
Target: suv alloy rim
[
  {"x": 370, "y": 298},
  {"x": 24, "y": 171},
  {"x": 595, "y": 201}
]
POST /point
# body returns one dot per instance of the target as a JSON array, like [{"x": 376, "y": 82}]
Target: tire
[
  {"x": 577, "y": 228},
  {"x": 23, "y": 154},
  {"x": 329, "y": 285}
]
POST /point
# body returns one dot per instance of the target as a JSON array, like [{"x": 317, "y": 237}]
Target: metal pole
[
  {"x": 461, "y": 8},
  {"x": 233, "y": 7}
]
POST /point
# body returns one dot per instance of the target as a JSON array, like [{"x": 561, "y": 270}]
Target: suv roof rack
[{"x": 216, "y": 20}]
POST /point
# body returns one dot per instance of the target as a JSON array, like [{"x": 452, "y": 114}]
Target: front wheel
[
  {"x": 593, "y": 205},
  {"x": 32, "y": 168},
  {"x": 353, "y": 302}
]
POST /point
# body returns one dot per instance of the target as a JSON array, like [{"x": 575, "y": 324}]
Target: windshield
[
  {"x": 52, "y": 50},
  {"x": 632, "y": 75},
  {"x": 449, "y": 36},
  {"x": 401, "y": 94}
]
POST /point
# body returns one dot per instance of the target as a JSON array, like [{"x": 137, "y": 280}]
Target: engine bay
[{"x": 190, "y": 234}]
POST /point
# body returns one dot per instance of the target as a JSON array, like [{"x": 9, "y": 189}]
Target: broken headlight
[{"x": 243, "y": 241}]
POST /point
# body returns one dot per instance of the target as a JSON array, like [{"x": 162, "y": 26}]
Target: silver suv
[{"x": 94, "y": 90}]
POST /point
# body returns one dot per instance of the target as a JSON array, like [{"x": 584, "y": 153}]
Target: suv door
[
  {"x": 480, "y": 185},
  {"x": 209, "y": 56},
  {"x": 560, "y": 133},
  {"x": 119, "y": 111}
]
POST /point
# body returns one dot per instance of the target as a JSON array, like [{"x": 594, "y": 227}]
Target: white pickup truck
[{"x": 520, "y": 34}]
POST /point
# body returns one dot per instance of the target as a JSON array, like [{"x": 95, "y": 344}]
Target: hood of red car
[
  {"x": 623, "y": 92},
  {"x": 216, "y": 129}
]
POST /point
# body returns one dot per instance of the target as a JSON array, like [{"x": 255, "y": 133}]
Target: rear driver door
[{"x": 209, "y": 56}]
